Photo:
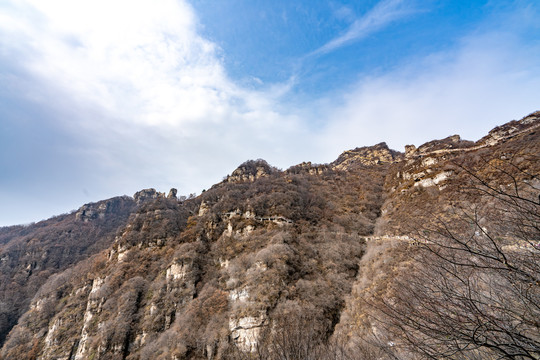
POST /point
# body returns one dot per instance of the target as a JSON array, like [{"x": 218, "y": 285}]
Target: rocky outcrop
[
  {"x": 245, "y": 331},
  {"x": 308, "y": 167},
  {"x": 435, "y": 180},
  {"x": 101, "y": 209},
  {"x": 250, "y": 171},
  {"x": 367, "y": 156},
  {"x": 455, "y": 145},
  {"x": 511, "y": 129},
  {"x": 409, "y": 150},
  {"x": 203, "y": 209},
  {"x": 147, "y": 194},
  {"x": 91, "y": 211},
  {"x": 151, "y": 194},
  {"x": 448, "y": 143},
  {"x": 172, "y": 194},
  {"x": 93, "y": 308}
]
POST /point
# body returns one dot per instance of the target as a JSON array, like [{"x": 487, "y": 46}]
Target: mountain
[
  {"x": 266, "y": 260},
  {"x": 31, "y": 254}
]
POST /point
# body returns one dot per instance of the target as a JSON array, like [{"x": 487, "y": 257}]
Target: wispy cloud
[
  {"x": 489, "y": 79},
  {"x": 382, "y": 14}
]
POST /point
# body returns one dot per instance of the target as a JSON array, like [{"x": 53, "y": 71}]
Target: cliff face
[
  {"x": 433, "y": 177},
  {"x": 210, "y": 276},
  {"x": 206, "y": 278},
  {"x": 467, "y": 199},
  {"x": 31, "y": 254}
]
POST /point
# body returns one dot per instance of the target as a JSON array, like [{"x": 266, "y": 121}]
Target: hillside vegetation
[{"x": 313, "y": 262}]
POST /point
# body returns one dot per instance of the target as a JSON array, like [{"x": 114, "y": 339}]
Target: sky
[{"x": 104, "y": 98}]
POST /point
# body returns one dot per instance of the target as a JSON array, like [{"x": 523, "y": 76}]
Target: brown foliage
[{"x": 474, "y": 289}]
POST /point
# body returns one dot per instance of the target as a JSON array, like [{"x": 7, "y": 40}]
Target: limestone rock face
[
  {"x": 511, "y": 129},
  {"x": 250, "y": 171},
  {"x": 409, "y": 150},
  {"x": 101, "y": 209},
  {"x": 245, "y": 331},
  {"x": 91, "y": 212},
  {"x": 368, "y": 156},
  {"x": 449, "y": 143},
  {"x": 435, "y": 180},
  {"x": 203, "y": 209},
  {"x": 308, "y": 167},
  {"x": 147, "y": 194},
  {"x": 455, "y": 145}
]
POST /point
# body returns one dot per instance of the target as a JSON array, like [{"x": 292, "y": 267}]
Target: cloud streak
[{"x": 383, "y": 13}]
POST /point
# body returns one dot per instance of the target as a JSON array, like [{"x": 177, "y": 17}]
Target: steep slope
[
  {"x": 434, "y": 188},
  {"x": 432, "y": 178},
  {"x": 30, "y": 254},
  {"x": 210, "y": 269},
  {"x": 294, "y": 252}
]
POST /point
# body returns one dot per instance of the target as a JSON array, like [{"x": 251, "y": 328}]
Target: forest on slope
[
  {"x": 30, "y": 254},
  {"x": 317, "y": 261}
]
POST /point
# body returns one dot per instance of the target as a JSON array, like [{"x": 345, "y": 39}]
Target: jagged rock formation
[
  {"x": 172, "y": 194},
  {"x": 308, "y": 167},
  {"x": 511, "y": 129},
  {"x": 451, "y": 142},
  {"x": 433, "y": 174},
  {"x": 212, "y": 275},
  {"x": 251, "y": 171},
  {"x": 151, "y": 194},
  {"x": 147, "y": 194},
  {"x": 369, "y": 155},
  {"x": 101, "y": 209}
]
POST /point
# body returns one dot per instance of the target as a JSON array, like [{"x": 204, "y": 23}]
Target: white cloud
[
  {"x": 144, "y": 99},
  {"x": 137, "y": 60},
  {"x": 489, "y": 79}
]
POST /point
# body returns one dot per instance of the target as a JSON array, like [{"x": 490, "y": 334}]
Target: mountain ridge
[{"x": 260, "y": 246}]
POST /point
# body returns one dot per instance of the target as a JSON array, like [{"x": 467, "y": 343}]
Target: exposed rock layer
[{"x": 199, "y": 277}]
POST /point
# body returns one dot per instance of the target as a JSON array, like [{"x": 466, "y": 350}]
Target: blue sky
[{"x": 104, "y": 98}]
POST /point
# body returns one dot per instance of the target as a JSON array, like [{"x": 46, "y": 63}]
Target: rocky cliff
[
  {"x": 369, "y": 155},
  {"x": 263, "y": 253}
]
